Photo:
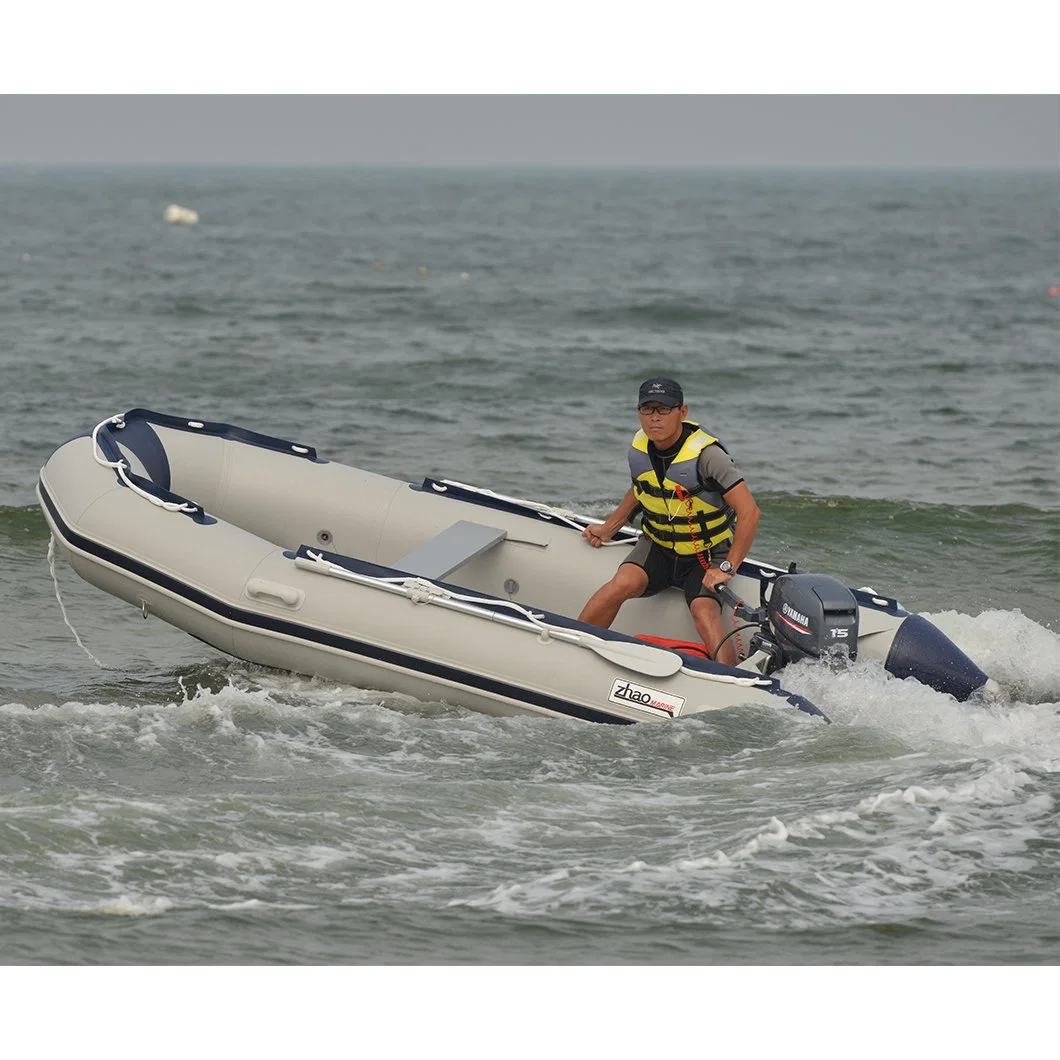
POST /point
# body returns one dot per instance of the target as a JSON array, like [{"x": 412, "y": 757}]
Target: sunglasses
[{"x": 655, "y": 410}]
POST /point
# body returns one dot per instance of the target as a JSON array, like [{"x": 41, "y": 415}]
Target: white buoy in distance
[{"x": 180, "y": 215}]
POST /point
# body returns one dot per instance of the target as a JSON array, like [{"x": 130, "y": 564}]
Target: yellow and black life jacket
[{"x": 680, "y": 512}]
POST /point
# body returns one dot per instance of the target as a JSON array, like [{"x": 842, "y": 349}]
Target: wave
[
  {"x": 1032, "y": 530},
  {"x": 24, "y": 525},
  {"x": 683, "y": 313},
  {"x": 258, "y": 785},
  {"x": 230, "y": 701},
  {"x": 932, "y": 557},
  {"x": 804, "y": 500}
]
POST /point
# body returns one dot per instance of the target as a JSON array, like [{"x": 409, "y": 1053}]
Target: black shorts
[{"x": 665, "y": 568}]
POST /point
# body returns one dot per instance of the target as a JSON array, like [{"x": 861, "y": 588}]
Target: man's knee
[
  {"x": 628, "y": 581},
  {"x": 706, "y": 606}
]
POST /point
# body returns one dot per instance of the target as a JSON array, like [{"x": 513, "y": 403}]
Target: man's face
[{"x": 661, "y": 424}]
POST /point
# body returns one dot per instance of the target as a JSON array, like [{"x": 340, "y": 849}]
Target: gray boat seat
[{"x": 450, "y": 549}]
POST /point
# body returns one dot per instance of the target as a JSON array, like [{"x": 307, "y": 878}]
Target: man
[{"x": 697, "y": 516}]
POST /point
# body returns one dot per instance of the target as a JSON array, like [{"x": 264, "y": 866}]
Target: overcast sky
[
  {"x": 980, "y": 131},
  {"x": 323, "y": 82}
]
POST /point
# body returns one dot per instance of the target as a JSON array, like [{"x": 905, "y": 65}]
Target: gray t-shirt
[
  {"x": 716, "y": 467},
  {"x": 717, "y": 471}
]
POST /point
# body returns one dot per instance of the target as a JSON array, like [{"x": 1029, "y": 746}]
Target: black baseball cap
[{"x": 661, "y": 391}]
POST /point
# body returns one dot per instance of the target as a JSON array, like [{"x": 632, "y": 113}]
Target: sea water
[{"x": 879, "y": 352}]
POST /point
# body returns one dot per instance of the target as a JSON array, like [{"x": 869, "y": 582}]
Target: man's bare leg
[
  {"x": 706, "y": 613},
  {"x": 628, "y": 582}
]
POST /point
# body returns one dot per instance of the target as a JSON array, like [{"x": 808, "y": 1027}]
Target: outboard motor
[
  {"x": 808, "y": 616},
  {"x": 812, "y": 615}
]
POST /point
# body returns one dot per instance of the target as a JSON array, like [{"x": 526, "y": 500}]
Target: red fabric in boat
[{"x": 689, "y": 647}]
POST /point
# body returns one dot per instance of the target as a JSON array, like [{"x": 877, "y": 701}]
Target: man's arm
[
  {"x": 597, "y": 533},
  {"x": 740, "y": 500},
  {"x": 747, "y": 514}
]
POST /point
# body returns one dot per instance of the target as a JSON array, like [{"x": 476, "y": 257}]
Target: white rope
[
  {"x": 563, "y": 515},
  {"x": 120, "y": 466},
  {"x": 420, "y": 590},
  {"x": 62, "y": 608}
]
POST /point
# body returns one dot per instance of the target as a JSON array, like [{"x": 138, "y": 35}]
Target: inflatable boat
[{"x": 265, "y": 550}]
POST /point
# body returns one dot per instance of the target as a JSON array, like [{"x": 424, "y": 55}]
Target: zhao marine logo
[{"x": 627, "y": 692}]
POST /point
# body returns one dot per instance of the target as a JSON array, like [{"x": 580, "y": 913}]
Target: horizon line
[{"x": 948, "y": 167}]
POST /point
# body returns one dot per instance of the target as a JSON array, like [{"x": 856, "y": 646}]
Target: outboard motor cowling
[{"x": 811, "y": 615}]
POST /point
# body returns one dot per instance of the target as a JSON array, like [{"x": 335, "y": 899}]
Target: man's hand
[
  {"x": 596, "y": 534},
  {"x": 712, "y": 577}
]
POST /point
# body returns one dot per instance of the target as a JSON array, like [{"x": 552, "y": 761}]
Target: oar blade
[{"x": 642, "y": 658}]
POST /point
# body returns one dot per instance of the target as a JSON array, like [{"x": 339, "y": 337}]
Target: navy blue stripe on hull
[{"x": 349, "y": 645}]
